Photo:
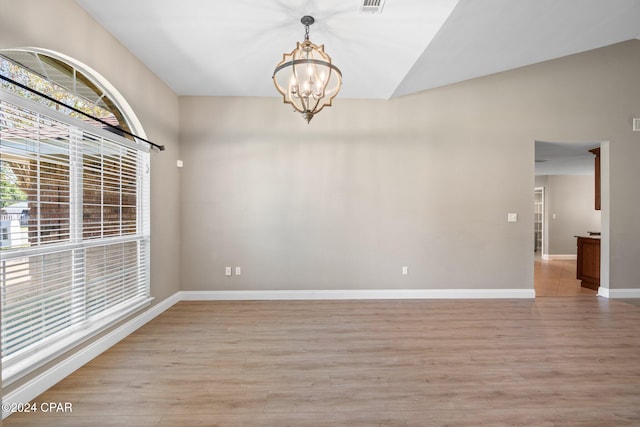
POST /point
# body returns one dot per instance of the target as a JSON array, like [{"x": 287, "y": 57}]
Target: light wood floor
[
  {"x": 544, "y": 362},
  {"x": 557, "y": 278}
]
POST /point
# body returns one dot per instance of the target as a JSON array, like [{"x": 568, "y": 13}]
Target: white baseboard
[
  {"x": 356, "y": 294},
  {"x": 38, "y": 385},
  {"x": 551, "y": 257},
  {"x": 618, "y": 293}
]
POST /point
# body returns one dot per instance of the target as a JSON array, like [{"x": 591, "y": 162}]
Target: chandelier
[{"x": 306, "y": 78}]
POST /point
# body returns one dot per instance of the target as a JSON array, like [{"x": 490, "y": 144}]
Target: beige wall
[
  {"x": 346, "y": 201},
  {"x": 571, "y": 199},
  {"x": 62, "y": 26},
  {"x": 424, "y": 181}
]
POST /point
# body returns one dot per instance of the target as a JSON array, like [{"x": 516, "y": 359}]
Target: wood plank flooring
[{"x": 545, "y": 362}]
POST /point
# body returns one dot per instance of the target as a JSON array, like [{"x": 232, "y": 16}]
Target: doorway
[{"x": 564, "y": 195}]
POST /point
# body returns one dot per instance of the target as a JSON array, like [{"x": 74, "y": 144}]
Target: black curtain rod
[{"x": 47, "y": 97}]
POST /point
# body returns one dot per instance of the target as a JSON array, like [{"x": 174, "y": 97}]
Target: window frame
[{"x": 14, "y": 368}]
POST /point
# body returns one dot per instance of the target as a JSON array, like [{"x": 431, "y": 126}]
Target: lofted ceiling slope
[{"x": 229, "y": 48}]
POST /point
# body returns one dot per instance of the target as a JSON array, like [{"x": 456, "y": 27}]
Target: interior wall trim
[
  {"x": 338, "y": 294},
  {"x": 618, "y": 293},
  {"x": 41, "y": 383},
  {"x": 550, "y": 257}
]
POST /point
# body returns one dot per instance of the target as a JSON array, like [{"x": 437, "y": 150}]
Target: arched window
[
  {"x": 74, "y": 254},
  {"x": 63, "y": 81}
]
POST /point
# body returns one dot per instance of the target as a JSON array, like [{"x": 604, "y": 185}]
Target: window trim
[{"x": 96, "y": 78}]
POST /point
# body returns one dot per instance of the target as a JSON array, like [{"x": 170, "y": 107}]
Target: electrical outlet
[
  {"x": 227, "y": 271},
  {"x": 512, "y": 217},
  {"x": 238, "y": 271},
  {"x": 405, "y": 270}
]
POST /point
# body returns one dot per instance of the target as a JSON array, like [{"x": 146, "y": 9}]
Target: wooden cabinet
[
  {"x": 596, "y": 152},
  {"x": 588, "y": 265}
]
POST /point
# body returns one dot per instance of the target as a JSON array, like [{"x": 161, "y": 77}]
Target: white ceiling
[
  {"x": 564, "y": 158},
  {"x": 229, "y": 48}
]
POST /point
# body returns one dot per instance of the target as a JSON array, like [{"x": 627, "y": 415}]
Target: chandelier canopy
[{"x": 306, "y": 78}]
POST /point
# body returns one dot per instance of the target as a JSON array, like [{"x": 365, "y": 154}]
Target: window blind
[{"x": 77, "y": 258}]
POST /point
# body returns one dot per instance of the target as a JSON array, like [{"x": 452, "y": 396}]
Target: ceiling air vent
[
  {"x": 371, "y": 6},
  {"x": 636, "y": 125}
]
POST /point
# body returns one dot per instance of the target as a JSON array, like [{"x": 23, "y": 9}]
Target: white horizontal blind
[{"x": 78, "y": 259}]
